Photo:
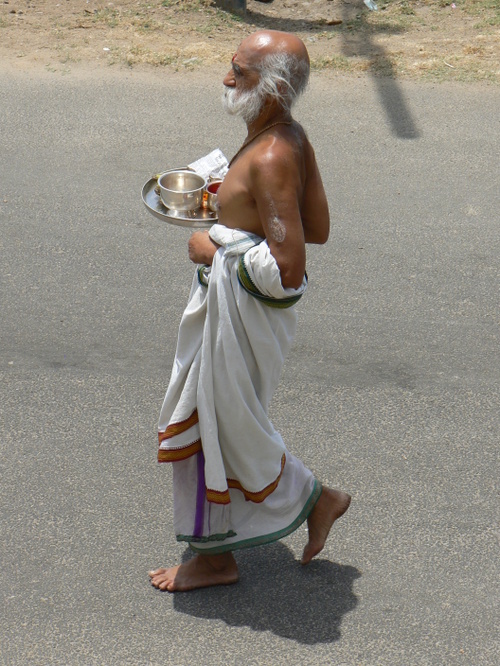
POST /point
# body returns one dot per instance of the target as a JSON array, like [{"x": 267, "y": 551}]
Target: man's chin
[
  {"x": 229, "y": 110},
  {"x": 236, "y": 113},
  {"x": 228, "y": 105},
  {"x": 241, "y": 108}
]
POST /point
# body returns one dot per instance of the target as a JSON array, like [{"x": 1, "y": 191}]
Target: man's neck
[{"x": 266, "y": 118}]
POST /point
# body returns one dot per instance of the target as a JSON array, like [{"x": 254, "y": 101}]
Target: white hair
[
  {"x": 247, "y": 104},
  {"x": 283, "y": 77}
]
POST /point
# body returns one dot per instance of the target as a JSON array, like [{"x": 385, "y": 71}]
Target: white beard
[{"x": 247, "y": 104}]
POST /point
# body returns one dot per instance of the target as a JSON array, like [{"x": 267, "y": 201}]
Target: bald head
[
  {"x": 282, "y": 61},
  {"x": 268, "y": 42}
]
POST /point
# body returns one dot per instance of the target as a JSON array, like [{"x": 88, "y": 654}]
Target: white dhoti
[{"x": 235, "y": 483}]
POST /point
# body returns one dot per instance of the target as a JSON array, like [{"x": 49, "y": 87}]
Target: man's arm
[
  {"x": 276, "y": 186},
  {"x": 315, "y": 214}
]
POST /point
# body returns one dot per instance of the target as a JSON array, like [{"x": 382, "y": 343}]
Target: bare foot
[
  {"x": 201, "y": 571},
  {"x": 331, "y": 505}
]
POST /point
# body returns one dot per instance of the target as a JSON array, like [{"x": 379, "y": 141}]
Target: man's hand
[{"x": 201, "y": 248}]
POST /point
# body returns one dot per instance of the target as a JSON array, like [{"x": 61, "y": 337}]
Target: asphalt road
[{"x": 391, "y": 392}]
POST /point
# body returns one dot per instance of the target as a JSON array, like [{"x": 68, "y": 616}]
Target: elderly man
[{"x": 235, "y": 483}]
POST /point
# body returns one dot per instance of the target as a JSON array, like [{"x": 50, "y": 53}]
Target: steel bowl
[{"x": 181, "y": 190}]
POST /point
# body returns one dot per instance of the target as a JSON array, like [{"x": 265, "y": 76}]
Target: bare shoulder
[
  {"x": 285, "y": 167},
  {"x": 282, "y": 151}
]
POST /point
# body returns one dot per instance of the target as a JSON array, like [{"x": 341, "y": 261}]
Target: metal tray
[{"x": 202, "y": 218}]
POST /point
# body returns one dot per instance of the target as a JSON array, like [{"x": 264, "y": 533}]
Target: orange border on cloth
[
  {"x": 176, "y": 428},
  {"x": 222, "y": 497},
  {"x": 174, "y": 455},
  {"x": 181, "y": 453},
  {"x": 218, "y": 496}
]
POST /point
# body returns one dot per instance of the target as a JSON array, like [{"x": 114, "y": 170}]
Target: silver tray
[{"x": 202, "y": 218}]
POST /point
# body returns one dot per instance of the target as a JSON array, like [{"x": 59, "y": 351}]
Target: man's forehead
[
  {"x": 244, "y": 58},
  {"x": 253, "y": 48}
]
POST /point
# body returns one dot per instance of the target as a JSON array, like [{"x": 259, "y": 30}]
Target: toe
[
  {"x": 157, "y": 580},
  {"x": 310, "y": 551},
  {"x": 155, "y": 572}
]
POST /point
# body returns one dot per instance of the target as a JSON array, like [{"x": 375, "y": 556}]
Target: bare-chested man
[{"x": 273, "y": 191}]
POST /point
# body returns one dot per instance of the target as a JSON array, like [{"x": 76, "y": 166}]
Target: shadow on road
[
  {"x": 360, "y": 42},
  {"x": 277, "y": 594}
]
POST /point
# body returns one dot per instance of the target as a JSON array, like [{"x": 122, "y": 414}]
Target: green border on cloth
[
  {"x": 266, "y": 538},
  {"x": 212, "y": 537},
  {"x": 246, "y": 282}
]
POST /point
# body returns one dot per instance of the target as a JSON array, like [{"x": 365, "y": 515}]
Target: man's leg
[
  {"x": 201, "y": 571},
  {"x": 330, "y": 506}
]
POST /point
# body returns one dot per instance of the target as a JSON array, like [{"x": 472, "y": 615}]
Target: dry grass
[{"x": 431, "y": 39}]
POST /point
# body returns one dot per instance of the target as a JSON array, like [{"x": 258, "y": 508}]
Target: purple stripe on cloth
[{"x": 200, "y": 496}]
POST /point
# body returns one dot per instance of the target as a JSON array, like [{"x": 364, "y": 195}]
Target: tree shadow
[
  {"x": 273, "y": 592},
  {"x": 351, "y": 11},
  {"x": 360, "y": 42}
]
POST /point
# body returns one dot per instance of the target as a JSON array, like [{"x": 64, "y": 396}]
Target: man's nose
[{"x": 229, "y": 79}]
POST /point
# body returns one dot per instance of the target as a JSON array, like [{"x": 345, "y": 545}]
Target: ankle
[{"x": 219, "y": 562}]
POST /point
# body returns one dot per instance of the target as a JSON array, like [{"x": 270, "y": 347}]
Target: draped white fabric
[{"x": 229, "y": 358}]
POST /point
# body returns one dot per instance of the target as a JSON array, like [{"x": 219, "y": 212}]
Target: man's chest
[{"x": 236, "y": 205}]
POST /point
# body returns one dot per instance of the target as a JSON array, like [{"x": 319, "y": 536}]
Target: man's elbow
[
  {"x": 317, "y": 233},
  {"x": 291, "y": 279},
  {"x": 291, "y": 264},
  {"x": 322, "y": 237}
]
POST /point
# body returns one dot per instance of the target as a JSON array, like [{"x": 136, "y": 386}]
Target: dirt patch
[{"x": 432, "y": 39}]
